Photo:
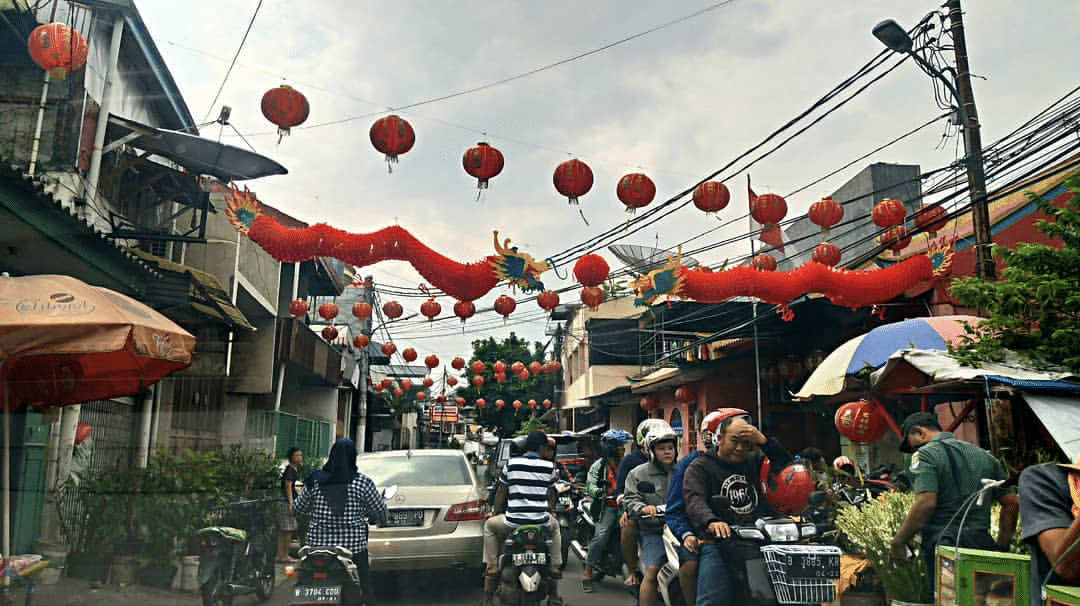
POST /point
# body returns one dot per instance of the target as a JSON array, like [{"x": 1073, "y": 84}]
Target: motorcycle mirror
[
  {"x": 646, "y": 487},
  {"x": 389, "y": 492}
]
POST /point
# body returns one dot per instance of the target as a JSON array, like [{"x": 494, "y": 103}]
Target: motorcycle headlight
[
  {"x": 750, "y": 534},
  {"x": 782, "y": 531}
]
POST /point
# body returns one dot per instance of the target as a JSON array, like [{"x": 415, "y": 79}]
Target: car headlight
[{"x": 781, "y": 531}]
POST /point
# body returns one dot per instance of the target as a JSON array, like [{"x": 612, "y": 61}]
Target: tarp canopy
[
  {"x": 941, "y": 367},
  {"x": 1060, "y": 415}
]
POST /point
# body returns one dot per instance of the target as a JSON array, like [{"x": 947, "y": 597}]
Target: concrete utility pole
[
  {"x": 980, "y": 212},
  {"x": 558, "y": 376},
  {"x": 366, "y": 295}
]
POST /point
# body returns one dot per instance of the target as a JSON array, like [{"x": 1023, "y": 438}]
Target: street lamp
[{"x": 896, "y": 39}]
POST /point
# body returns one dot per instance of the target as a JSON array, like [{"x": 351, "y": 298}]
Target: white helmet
[
  {"x": 657, "y": 435},
  {"x": 646, "y": 426}
]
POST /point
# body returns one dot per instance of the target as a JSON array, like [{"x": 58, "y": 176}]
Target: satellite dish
[{"x": 643, "y": 259}]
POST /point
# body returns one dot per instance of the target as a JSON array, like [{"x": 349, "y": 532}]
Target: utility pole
[
  {"x": 980, "y": 212},
  {"x": 366, "y": 295},
  {"x": 558, "y": 376}
]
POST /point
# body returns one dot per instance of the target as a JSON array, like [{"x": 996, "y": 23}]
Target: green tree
[
  {"x": 1034, "y": 309},
  {"x": 539, "y": 386}
]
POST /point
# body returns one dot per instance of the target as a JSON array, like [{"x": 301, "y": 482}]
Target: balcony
[{"x": 297, "y": 344}]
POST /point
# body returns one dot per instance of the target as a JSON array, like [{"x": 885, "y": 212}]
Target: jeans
[
  {"x": 714, "y": 581},
  {"x": 608, "y": 524}
]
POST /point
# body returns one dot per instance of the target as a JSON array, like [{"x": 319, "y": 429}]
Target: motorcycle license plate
[
  {"x": 314, "y": 596},
  {"x": 405, "y": 517},
  {"x": 813, "y": 566},
  {"x": 530, "y": 557}
]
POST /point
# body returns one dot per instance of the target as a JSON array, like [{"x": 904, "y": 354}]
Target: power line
[{"x": 233, "y": 62}]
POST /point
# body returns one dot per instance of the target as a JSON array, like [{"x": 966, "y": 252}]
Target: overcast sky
[{"x": 676, "y": 104}]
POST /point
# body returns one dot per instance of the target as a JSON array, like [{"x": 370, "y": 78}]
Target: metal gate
[{"x": 29, "y": 496}]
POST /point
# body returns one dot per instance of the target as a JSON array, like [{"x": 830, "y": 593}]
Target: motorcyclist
[
  {"x": 340, "y": 500},
  {"x": 732, "y": 470},
  {"x": 628, "y": 529},
  {"x": 600, "y": 485},
  {"x": 661, "y": 446}
]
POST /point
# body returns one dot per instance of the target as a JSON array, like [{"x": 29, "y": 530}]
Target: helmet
[
  {"x": 647, "y": 425},
  {"x": 711, "y": 422},
  {"x": 789, "y": 492},
  {"x": 657, "y": 435},
  {"x": 844, "y": 465},
  {"x": 612, "y": 439}
]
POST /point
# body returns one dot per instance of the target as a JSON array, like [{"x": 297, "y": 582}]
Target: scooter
[
  {"x": 237, "y": 557},
  {"x": 611, "y": 564},
  {"x": 525, "y": 579},
  {"x": 566, "y": 514}
]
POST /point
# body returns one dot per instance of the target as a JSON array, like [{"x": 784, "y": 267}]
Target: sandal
[
  {"x": 632, "y": 581},
  {"x": 587, "y": 585}
]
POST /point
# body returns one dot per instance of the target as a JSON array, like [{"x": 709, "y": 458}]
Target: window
[{"x": 417, "y": 470}]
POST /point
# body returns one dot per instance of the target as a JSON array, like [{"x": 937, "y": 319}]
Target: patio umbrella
[
  {"x": 856, "y": 358},
  {"x": 63, "y": 341}
]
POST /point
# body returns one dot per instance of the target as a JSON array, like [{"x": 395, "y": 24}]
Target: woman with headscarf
[{"x": 340, "y": 499}]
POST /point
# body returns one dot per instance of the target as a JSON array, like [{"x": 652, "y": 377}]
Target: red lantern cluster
[
  {"x": 764, "y": 262},
  {"x": 298, "y": 307},
  {"x": 592, "y": 296},
  {"x": 392, "y": 309},
  {"x": 286, "y": 107},
  {"x": 499, "y": 368},
  {"x": 548, "y": 300},
  {"x": 573, "y": 179},
  {"x": 57, "y": 49},
  {"x": 635, "y": 191},
  {"x": 430, "y": 309},
  {"x": 483, "y": 162},
  {"x": 861, "y": 421},
  {"x": 826, "y": 213},
  {"x": 591, "y": 270},
  {"x": 711, "y": 196},
  {"x": 930, "y": 219},
  {"x": 505, "y": 306},
  {"x": 827, "y": 253},
  {"x": 392, "y": 136}
]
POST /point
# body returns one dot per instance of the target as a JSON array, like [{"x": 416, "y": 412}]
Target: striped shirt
[{"x": 529, "y": 479}]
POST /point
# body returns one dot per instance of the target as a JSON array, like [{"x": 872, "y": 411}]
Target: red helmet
[
  {"x": 712, "y": 421},
  {"x": 844, "y": 464},
  {"x": 789, "y": 492}
]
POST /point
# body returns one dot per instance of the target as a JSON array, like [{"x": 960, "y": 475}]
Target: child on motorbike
[{"x": 661, "y": 446}]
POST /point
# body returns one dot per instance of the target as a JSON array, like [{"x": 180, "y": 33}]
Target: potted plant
[{"x": 869, "y": 528}]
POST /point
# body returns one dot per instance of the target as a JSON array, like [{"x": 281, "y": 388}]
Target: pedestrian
[
  {"x": 1050, "y": 516},
  {"x": 294, "y": 458},
  {"x": 948, "y": 474}
]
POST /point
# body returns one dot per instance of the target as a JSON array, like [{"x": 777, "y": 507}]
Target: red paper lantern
[
  {"x": 535, "y": 368},
  {"x": 460, "y": 401},
  {"x": 441, "y": 398},
  {"x": 573, "y": 179},
  {"x": 500, "y": 377},
  {"x": 405, "y": 384},
  {"x": 451, "y": 381},
  {"x": 361, "y": 310},
  {"x": 895, "y": 239},
  {"x": 379, "y": 388},
  {"x": 286, "y": 107},
  {"x": 930, "y": 219},
  {"x": 861, "y": 421},
  {"x": 548, "y": 300},
  {"x": 430, "y": 309},
  {"x": 592, "y": 296},
  {"x": 464, "y": 310},
  {"x": 478, "y": 367},
  {"x": 685, "y": 395},
  {"x": 389, "y": 348},
  {"x": 431, "y": 361},
  {"x": 457, "y": 363},
  {"x": 57, "y": 49},
  {"x": 478, "y": 381},
  {"x": 481, "y": 403},
  {"x": 387, "y": 383},
  {"x": 533, "y": 404},
  {"x": 361, "y": 341},
  {"x": 827, "y": 253},
  {"x": 635, "y": 191},
  {"x": 329, "y": 333},
  {"x": 421, "y": 396},
  {"x": 398, "y": 392},
  {"x": 524, "y": 375},
  {"x": 392, "y": 136},
  {"x": 517, "y": 367},
  {"x": 483, "y": 162},
  {"x": 428, "y": 382},
  {"x": 499, "y": 404},
  {"x": 547, "y": 403},
  {"x": 555, "y": 366},
  {"x": 768, "y": 209},
  {"x": 591, "y": 270},
  {"x": 505, "y": 306},
  {"x": 499, "y": 367},
  {"x": 649, "y": 403},
  {"x": 889, "y": 212},
  {"x": 328, "y": 310},
  {"x": 764, "y": 262},
  {"x": 517, "y": 405},
  {"x": 825, "y": 213},
  {"x": 298, "y": 307},
  {"x": 409, "y": 354},
  {"x": 711, "y": 196},
  {"x": 392, "y": 309}
]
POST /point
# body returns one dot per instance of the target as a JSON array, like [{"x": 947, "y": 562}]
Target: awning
[
  {"x": 939, "y": 366},
  {"x": 182, "y": 286},
  {"x": 665, "y": 377},
  {"x": 577, "y": 404},
  {"x": 1060, "y": 415},
  {"x": 196, "y": 154}
]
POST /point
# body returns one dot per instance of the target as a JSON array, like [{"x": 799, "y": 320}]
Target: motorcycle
[
  {"x": 585, "y": 526},
  {"x": 525, "y": 578},
  {"x": 566, "y": 514},
  {"x": 667, "y": 578},
  {"x": 237, "y": 557}
]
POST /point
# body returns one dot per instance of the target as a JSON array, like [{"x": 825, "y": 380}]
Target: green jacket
[{"x": 954, "y": 470}]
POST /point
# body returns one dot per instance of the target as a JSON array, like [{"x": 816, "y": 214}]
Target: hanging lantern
[
  {"x": 409, "y": 354},
  {"x": 389, "y": 348},
  {"x": 649, "y": 403},
  {"x": 392, "y": 309},
  {"x": 298, "y": 307},
  {"x": 451, "y": 381},
  {"x": 895, "y": 239},
  {"x": 499, "y": 368},
  {"x": 861, "y": 421},
  {"x": 533, "y": 404},
  {"x": 361, "y": 341},
  {"x": 481, "y": 403},
  {"x": 478, "y": 367},
  {"x": 430, "y": 309},
  {"x": 517, "y": 405},
  {"x": 457, "y": 363},
  {"x": 524, "y": 375},
  {"x": 505, "y": 306},
  {"x": 478, "y": 381},
  {"x": 592, "y": 296},
  {"x": 635, "y": 191},
  {"x": 500, "y": 377},
  {"x": 387, "y": 383},
  {"x": 548, "y": 300},
  {"x": 711, "y": 197},
  {"x": 685, "y": 395},
  {"x": 398, "y": 392},
  {"x": 286, "y": 107},
  {"x": 441, "y": 398},
  {"x": 889, "y": 212},
  {"x": 591, "y": 270},
  {"x": 421, "y": 396},
  {"x": 769, "y": 210},
  {"x": 379, "y": 388},
  {"x": 57, "y": 49},
  {"x": 931, "y": 219},
  {"x": 392, "y": 136},
  {"x": 464, "y": 310},
  {"x": 534, "y": 367},
  {"x": 764, "y": 262},
  {"x": 547, "y": 403},
  {"x": 431, "y": 361},
  {"x": 499, "y": 404},
  {"x": 428, "y": 382},
  {"x": 827, "y": 253},
  {"x": 517, "y": 367},
  {"x": 825, "y": 213},
  {"x": 573, "y": 179},
  {"x": 328, "y": 311},
  {"x": 361, "y": 310},
  {"x": 555, "y": 366},
  {"x": 329, "y": 333},
  {"x": 460, "y": 401},
  {"x": 483, "y": 162},
  {"x": 405, "y": 384}
]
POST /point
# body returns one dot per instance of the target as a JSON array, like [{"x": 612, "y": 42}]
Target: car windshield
[
  {"x": 416, "y": 471},
  {"x": 567, "y": 449}
]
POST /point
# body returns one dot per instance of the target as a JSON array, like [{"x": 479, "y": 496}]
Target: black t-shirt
[
  {"x": 708, "y": 476},
  {"x": 1045, "y": 504},
  {"x": 288, "y": 477}
]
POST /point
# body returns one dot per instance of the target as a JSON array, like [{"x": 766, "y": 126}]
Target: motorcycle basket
[{"x": 803, "y": 574}]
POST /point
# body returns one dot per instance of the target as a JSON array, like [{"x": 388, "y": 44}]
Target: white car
[{"x": 437, "y": 515}]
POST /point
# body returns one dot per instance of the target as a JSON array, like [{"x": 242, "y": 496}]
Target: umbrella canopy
[{"x": 872, "y": 350}]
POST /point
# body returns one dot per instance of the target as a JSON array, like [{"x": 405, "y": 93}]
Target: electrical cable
[{"x": 233, "y": 62}]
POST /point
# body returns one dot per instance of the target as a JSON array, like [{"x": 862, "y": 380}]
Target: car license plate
[
  {"x": 405, "y": 517},
  {"x": 321, "y": 594},
  {"x": 530, "y": 557}
]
